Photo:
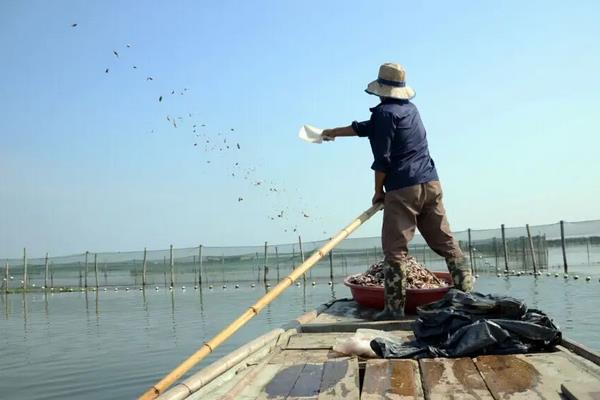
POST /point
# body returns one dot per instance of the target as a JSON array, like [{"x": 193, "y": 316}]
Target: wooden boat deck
[{"x": 298, "y": 363}]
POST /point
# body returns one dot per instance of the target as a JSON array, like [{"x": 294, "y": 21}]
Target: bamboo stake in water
[
  {"x": 266, "y": 268},
  {"x": 331, "y": 265},
  {"x": 562, "y": 244},
  {"x": 533, "y": 260},
  {"x": 46, "y": 272},
  {"x": 172, "y": 264},
  {"x": 6, "y": 278},
  {"x": 301, "y": 255},
  {"x": 253, "y": 310},
  {"x": 200, "y": 267},
  {"x": 470, "y": 249},
  {"x": 86, "y": 269},
  {"x": 144, "y": 268},
  {"x": 277, "y": 261},
  {"x": 505, "y": 249},
  {"x": 24, "y": 269},
  {"x": 96, "y": 269}
]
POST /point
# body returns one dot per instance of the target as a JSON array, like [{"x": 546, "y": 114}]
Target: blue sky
[{"x": 508, "y": 92}]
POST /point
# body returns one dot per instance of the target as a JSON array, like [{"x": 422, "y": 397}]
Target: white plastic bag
[
  {"x": 359, "y": 344},
  {"x": 311, "y": 134}
]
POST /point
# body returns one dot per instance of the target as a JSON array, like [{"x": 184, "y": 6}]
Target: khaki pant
[{"x": 419, "y": 206}]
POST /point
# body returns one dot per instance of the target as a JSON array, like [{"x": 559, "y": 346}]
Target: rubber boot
[
  {"x": 461, "y": 273},
  {"x": 394, "y": 289}
]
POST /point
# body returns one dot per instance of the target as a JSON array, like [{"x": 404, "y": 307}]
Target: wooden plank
[
  {"x": 289, "y": 357},
  {"x": 282, "y": 383},
  {"x": 259, "y": 381},
  {"x": 581, "y": 350},
  {"x": 510, "y": 377},
  {"x": 577, "y": 392},
  {"x": 315, "y": 340},
  {"x": 376, "y": 379},
  {"x": 392, "y": 379},
  {"x": 340, "y": 380},
  {"x": 347, "y": 311},
  {"x": 352, "y": 326},
  {"x": 458, "y": 376},
  {"x": 308, "y": 383},
  {"x": 560, "y": 368}
]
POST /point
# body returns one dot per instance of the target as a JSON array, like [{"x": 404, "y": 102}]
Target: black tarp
[{"x": 471, "y": 324}]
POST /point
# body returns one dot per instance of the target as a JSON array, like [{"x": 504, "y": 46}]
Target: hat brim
[{"x": 403, "y": 93}]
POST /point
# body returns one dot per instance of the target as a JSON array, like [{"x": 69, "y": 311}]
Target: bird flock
[{"x": 290, "y": 209}]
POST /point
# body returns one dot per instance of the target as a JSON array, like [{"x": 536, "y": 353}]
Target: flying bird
[
  {"x": 128, "y": 45},
  {"x": 73, "y": 25},
  {"x": 115, "y": 53},
  {"x": 106, "y": 71},
  {"x": 240, "y": 199},
  {"x": 149, "y": 78},
  {"x": 238, "y": 146},
  {"x": 134, "y": 67},
  {"x": 160, "y": 99}
]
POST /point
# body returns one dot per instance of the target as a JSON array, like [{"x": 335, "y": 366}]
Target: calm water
[{"x": 116, "y": 344}]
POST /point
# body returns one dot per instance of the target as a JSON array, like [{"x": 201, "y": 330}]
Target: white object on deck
[
  {"x": 311, "y": 134},
  {"x": 359, "y": 344}
]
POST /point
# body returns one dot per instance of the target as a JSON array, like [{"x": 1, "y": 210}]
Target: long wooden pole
[
  {"x": 301, "y": 255},
  {"x": 200, "y": 266},
  {"x": 86, "y": 270},
  {"x": 266, "y": 268},
  {"x": 277, "y": 261},
  {"x": 24, "y": 269},
  {"x": 172, "y": 264},
  {"x": 6, "y": 278},
  {"x": 144, "y": 266},
  {"x": 562, "y": 244},
  {"x": 253, "y": 310},
  {"x": 533, "y": 258},
  {"x": 470, "y": 249},
  {"x": 46, "y": 272},
  {"x": 96, "y": 269},
  {"x": 504, "y": 248}
]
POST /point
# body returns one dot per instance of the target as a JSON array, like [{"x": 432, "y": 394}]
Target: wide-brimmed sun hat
[{"x": 391, "y": 82}]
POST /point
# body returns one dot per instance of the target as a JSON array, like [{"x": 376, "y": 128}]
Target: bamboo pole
[
  {"x": 587, "y": 243},
  {"x": 253, "y": 310},
  {"x": 505, "y": 249},
  {"x": 46, "y": 272},
  {"x": 96, "y": 269},
  {"x": 144, "y": 266},
  {"x": 24, "y": 269},
  {"x": 277, "y": 261},
  {"x": 86, "y": 270},
  {"x": 470, "y": 249},
  {"x": 531, "y": 248},
  {"x": 301, "y": 255},
  {"x": 562, "y": 244},
  {"x": 6, "y": 278},
  {"x": 331, "y": 265},
  {"x": 266, "y": 268},
  {"x": 495, "y": 254},
  {"x": 172, "y": 265},
  {"x": 200, "y": 266}
]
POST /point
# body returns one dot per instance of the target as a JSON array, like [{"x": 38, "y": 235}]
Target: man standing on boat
[{"x": 413, "y": 194}]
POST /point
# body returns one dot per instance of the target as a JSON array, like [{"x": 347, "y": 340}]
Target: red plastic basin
[{"x": 371, "y": 296}]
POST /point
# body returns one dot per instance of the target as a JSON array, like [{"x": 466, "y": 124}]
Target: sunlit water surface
[{"x": 115, "y": 344}]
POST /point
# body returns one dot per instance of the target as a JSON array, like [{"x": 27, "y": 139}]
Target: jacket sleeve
[
  {"x": 382, "y": 127},
  {"x": 362, "y": 129}
]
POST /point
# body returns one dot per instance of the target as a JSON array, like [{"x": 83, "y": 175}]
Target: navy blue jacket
[{"x": 399, "y": 143}]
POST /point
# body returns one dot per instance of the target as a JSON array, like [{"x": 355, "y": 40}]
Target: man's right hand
[
  {"x": 328, "y": 135},
  {"x": 378, "y": 197}
]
